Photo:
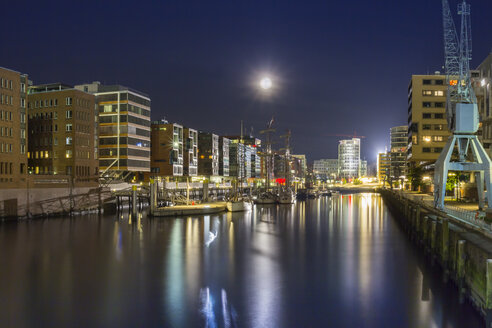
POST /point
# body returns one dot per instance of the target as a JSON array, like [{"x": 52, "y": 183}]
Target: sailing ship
[
  {"x": 267, "y": 197},
  {"x": 237, "y": 202},
  {"x": 286, "y": 195}
]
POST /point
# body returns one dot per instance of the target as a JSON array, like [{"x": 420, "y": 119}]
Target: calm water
[{"x": 340, "y": 262}]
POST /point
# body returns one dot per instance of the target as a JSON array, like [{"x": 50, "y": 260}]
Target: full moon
[{"x": 266, "y": 83}]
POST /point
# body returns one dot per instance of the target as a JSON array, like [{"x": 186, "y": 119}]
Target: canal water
[{"x": 330, "y": 262}]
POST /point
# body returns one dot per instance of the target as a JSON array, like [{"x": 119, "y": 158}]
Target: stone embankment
[{"x": 463, "y": 252}]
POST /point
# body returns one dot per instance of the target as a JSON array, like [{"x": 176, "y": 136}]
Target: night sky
[{"x": 337, "y": 66}]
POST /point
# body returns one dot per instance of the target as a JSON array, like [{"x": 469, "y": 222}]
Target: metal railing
[{"x": 474, "y": 218}]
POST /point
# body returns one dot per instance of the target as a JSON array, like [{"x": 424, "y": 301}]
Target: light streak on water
[
  {"x": 225, "y": 310},
  {"x": 207, "y": 308}
]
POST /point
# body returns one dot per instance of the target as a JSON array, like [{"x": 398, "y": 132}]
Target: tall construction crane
[{"x": 462, "y": 112}]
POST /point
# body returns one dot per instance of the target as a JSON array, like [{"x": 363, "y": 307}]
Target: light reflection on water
[{"x": 338, "y": 262}]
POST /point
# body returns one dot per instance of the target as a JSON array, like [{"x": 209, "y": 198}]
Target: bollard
[
  {"x": 134, "y": 199},
  {"x": 460, "y": 264}
]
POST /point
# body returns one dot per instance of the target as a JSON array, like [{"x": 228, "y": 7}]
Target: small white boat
[
  {"x": 266, "y": 198},
  {"x": 286, "y": 197},
  {"x": 238, "y": 206}
]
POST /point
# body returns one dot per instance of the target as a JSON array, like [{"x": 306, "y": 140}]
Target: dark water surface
[{"x": 341, "y": 262}]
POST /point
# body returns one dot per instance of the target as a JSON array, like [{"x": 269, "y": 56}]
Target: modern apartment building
[
  {"x": 62, "y": 130},
  {"x": 167, "y": 149},
  {"x": 427, "y": 124},
  {"x": 384, "y": 167},
  {"x": 245, "y": 160},
  {"x": 236, "y": 159},
  {"x": 482, "y": 84},
  {"x": 13, "y": 136},
  {"x": 224, "y": 156},
  {"x": 363, "y": 168},
  {"x": 398, "y": 151},
  {"x": 124, "y": 127},
  {"x": 325, "y": 169},
  {"x": 349, "y": 158},
  {"x": 190, "y": 157},
  {"x": 208, "y": 154}
]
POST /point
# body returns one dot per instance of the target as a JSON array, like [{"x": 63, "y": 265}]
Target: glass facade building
[
  {"x": 124, "y": 127},
  {"x": 349, "y": 158}
]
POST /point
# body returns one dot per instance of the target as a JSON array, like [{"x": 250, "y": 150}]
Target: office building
[
  {"x": 482, "y": 85},
  {"x": 325, "y": 169},
  {"x": 427, "y": 124},
  {"x": 13, "y": 135},
  {"x": 398, "y": 151},
  {"x": 190, "y": 158},
  {"x": 363, "y": 169},
  {"x": 224, "y": 156},
  {"x": 62, "y": 133},
  {"x": 349, "y": 158},
  {"x": 384, "y": 167},
  {"x": 236, "y": 159},
  {"x": 208, "y": 154},
  {"x": 166, "y": 149},
  {"x": 245, "y": 160},
  {"x": 124, "y": 127}
]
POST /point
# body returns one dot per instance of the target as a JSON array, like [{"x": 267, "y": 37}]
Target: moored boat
[
  {"x": 266, "y": 198},
  {"x": 286, "y": 196},
  {"x": 238, "y": 206}
]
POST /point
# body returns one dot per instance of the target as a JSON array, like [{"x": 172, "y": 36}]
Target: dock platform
[{"x": 184, "y": 210}]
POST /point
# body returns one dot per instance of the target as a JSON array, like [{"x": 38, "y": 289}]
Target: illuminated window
[
  {"x": 427, "y": 92},
  {"x": 202, "y": 157},
  {"x": 68, "y": 153},
  {"x": 439, "y": 93},
  {"x": 68, "y": 140},
  {"x": 438, "y": 138},
  {"x": 426, "y": 138}
]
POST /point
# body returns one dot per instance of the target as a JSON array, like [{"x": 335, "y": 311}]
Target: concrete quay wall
[
  {"x": 18, "y": 203},
  {"x": 464, "y": 254}
]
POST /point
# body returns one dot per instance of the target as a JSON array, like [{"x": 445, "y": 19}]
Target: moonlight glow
[{"x": 266, "y": 83}]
